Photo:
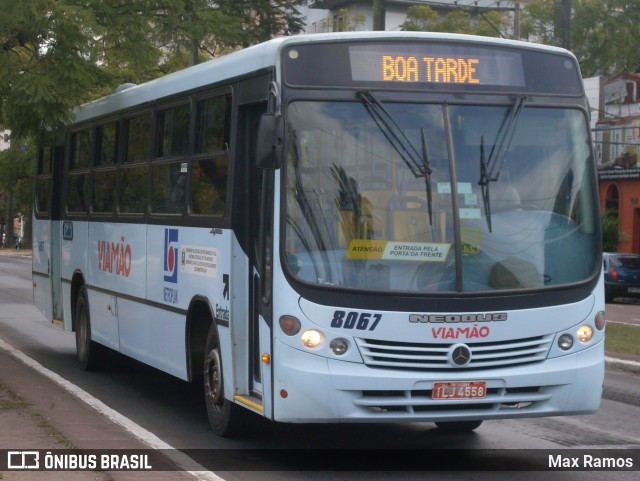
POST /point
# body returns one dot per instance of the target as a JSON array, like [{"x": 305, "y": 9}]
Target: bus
[{"x": 349, "y": 227}]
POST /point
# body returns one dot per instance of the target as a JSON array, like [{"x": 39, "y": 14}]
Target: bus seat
[
  {"x": 409, "y": 220},
  {"x": 374, "y": 205}
]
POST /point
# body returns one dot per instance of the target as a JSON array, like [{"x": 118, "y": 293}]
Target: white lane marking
[{"x": 147, "y": 437}]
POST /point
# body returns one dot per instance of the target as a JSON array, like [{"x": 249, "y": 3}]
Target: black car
[{"x": 621, "y": 275}]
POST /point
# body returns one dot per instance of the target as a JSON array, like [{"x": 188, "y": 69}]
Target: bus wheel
[
  {"x": 89, "y": 353},
  {"x": 458, "y": 426},
  {"x": 223, "y": 414}
]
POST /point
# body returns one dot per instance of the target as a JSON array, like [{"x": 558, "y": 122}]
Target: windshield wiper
[
  {"x": 490, "y": 168},
  {"x": 417, "y": 163}
]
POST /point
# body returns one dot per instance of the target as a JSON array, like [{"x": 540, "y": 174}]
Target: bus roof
[{"x": 255, "y": 58}]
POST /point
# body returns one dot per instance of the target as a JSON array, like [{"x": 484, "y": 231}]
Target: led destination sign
[
  {"x": 455, "y": 66},
  {"x": 430, "y": 69},
  {"x": 441, "y": 64}
]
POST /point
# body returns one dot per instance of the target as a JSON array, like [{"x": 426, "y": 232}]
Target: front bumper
[{"x": 325, "y": 390}]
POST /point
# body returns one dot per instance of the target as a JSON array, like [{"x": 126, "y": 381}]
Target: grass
[
  {"x": 12, "y": 404},
  {"x": 622, "y": 338}
]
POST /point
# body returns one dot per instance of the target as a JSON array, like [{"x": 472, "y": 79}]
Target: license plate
[{"x": 459, "y": 390}]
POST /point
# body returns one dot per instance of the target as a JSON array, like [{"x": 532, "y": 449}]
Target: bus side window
[
  {"x": 210, "y": 169},
  {"x": 44, "y": 180},
  {"x": 78, "y": 178},
  {"x": 104, "y": 175},
  {"x": 132, "y": 172},
  {"x": 209, "y": 186},
  {"x": 168, "y": 187}
]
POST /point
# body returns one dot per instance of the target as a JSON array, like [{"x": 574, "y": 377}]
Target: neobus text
[{"x": 454, "y": 318}]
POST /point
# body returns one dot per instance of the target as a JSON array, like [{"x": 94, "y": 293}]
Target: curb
[{"x": 622, "y": 365}]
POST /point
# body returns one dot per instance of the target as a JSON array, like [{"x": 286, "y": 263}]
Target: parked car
[{"x": 621, "y": 275}]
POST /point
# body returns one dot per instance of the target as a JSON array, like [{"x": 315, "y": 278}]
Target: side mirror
[{"x": 270, "y": 141}]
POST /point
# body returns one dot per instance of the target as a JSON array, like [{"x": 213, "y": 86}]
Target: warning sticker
[
  {"x": 392, "y": 250},
  {"x": 202, "y": 261}
]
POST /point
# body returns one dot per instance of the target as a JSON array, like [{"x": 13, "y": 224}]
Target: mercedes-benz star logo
[{"x": 460, "y": 355}]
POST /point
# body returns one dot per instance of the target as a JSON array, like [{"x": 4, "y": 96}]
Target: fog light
[
  {"x": 290, "y": 325},
  {"x": 312, "y": 338},
  {"x": 339, "y": 346},
  {"x": 600, "y": 321},
  {"x": 584, "y": 333},
  {"x": 565, "y": 342}
]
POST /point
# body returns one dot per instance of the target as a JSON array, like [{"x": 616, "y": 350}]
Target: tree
[
  {"x": 56, "y": 54},
  {"x": 603, "y": 33},
  {"x": 344, "y": 21},
  {"x": 426, "y": 19},
  {"x": 16, "y": 181}
]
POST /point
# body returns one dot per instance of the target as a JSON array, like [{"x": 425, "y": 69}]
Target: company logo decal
[
  {"x": 474, "y": 332},
  {"x": 171, "y": 255},
  {"x": 456, "y": 318},
  {"x": 460, "y": 355},
  {"x": 114, "y": 257}
]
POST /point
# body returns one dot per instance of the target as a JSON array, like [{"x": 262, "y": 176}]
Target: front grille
[
  {"x": 434, "y": 357},
  {"x": 414, "y": 403}
]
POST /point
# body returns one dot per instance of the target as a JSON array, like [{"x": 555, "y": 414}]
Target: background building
[
  {"x": 617, "y": 137},
  {"x": 334, "y": 15}
]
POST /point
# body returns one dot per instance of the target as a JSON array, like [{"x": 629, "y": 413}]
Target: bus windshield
[{"x": 429, "y": 198}]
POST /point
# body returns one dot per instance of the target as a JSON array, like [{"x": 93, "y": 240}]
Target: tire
[
  {"x": 458, "y": 426},
  {"x": 225, "y": 417},
  {"x": 89, "y": 353}
]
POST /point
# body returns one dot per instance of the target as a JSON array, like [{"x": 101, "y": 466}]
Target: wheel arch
[
  {"x": 77, "y": 281},
  {"x": 200, "y": 318}
]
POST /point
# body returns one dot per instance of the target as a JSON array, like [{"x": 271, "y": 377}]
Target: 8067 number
[{"x": 363, "y": 321}]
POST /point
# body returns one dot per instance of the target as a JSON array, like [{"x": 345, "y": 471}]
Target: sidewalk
[{"x": 36, "y": 413}]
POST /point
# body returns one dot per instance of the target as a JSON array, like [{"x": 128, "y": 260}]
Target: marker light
[
  {"x": 565, "y": 342},
  {"x": 312, "y": 338},
  {"x": 290, "y": 325},
  {"x": 600, "y": 321},
  {"x": 584, "y": 333},
  {"x": 339, "y": 346}
]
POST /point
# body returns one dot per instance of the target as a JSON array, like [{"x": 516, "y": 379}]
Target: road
[{"x": 174, "y": 411}]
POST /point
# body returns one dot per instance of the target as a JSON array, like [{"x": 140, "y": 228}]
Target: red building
[{"x": 617, "y": 138}]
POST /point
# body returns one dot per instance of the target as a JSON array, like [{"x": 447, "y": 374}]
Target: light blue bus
[{"x": 363, "y": 227}]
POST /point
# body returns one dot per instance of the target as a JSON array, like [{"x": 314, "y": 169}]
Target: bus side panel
[
  {"x": 41, "y": 260},
  {"x": 153, "y": 336},
  {"x": 184, "y": 263},
  {"x": 116, "y": 268}
]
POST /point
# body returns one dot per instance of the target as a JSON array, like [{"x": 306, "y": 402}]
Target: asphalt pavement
[{"x": 37, "y": 413}]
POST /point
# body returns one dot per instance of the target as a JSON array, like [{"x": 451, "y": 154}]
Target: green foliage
[
  {"x": 16, "y": 180},
  {"x": 344, "y": 21},
  {"x": 604, "y": 33},
  {"x": 57, "y": 54},
  {"x": 611, "y": 235},
  {"x": 425, "y": 19}
]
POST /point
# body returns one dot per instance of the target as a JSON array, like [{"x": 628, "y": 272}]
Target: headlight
[
  {"x": 584, "y": 333},
  {"x": 312, "y": 338},
  {"x": 565, "y": 342},
  {"x": 339, "y": 346}
]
